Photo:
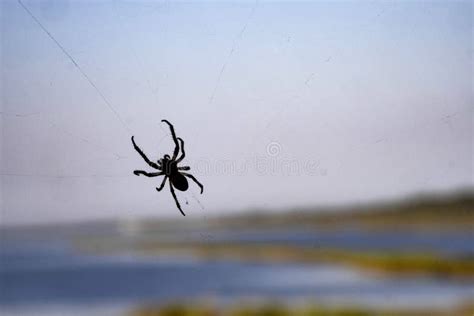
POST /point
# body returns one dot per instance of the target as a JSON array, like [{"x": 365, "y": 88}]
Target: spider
[{"x": 168, "y": 167}]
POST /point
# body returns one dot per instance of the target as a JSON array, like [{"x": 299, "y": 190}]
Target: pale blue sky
[{"x": 366, "y": 100}]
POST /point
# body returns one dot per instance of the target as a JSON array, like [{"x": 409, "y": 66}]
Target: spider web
[{"x": 73, "y": 135}]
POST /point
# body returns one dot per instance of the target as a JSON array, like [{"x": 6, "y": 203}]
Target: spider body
[
  {"x": 168, "y": 167},
  {"x": 179, "y": 181},
  {"x": 171, "y": 170}
]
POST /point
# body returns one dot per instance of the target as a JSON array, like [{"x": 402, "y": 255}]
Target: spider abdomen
[{"x": 179, "y": 181}]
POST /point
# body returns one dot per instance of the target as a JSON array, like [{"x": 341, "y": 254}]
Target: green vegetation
[
  {"x": 445, "y": 212},
  {"x": 280, "y": 310},
  {"x": 381, "y": 262}
]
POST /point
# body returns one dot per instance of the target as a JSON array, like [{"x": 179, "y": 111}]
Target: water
[{"x": 50, "y": 277}]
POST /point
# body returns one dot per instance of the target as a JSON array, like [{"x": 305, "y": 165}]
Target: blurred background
[{"x": 333, "y": 139}]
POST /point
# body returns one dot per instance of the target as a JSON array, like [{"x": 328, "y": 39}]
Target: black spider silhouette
[{"x": 168, "y": 167}]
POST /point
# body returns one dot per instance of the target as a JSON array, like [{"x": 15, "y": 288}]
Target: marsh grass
[
  {"x": 442, "y": 213},
  {"x": 446, "y": 212},
  {"x": 404, "y": 263},
  {"x": 282, "y": 310}
]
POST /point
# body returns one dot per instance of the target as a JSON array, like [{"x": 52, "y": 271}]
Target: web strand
[{"x": 102, "y": 96}]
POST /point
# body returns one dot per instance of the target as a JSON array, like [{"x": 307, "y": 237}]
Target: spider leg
[
  {"x": 162, "y": 184},
  {"x": 183, "y": 154},
  {"x": 150, "y": 163},
  {"x": 184, "y": 168},
  {"x": 194, "y": 179},
  {"x": 176, "y": 199},
  {"x": 175, "y": 139},
  {"x": 148, "y": 174}
]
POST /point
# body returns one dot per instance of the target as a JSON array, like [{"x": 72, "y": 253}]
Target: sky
[{"x": 280, "y": 104}]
